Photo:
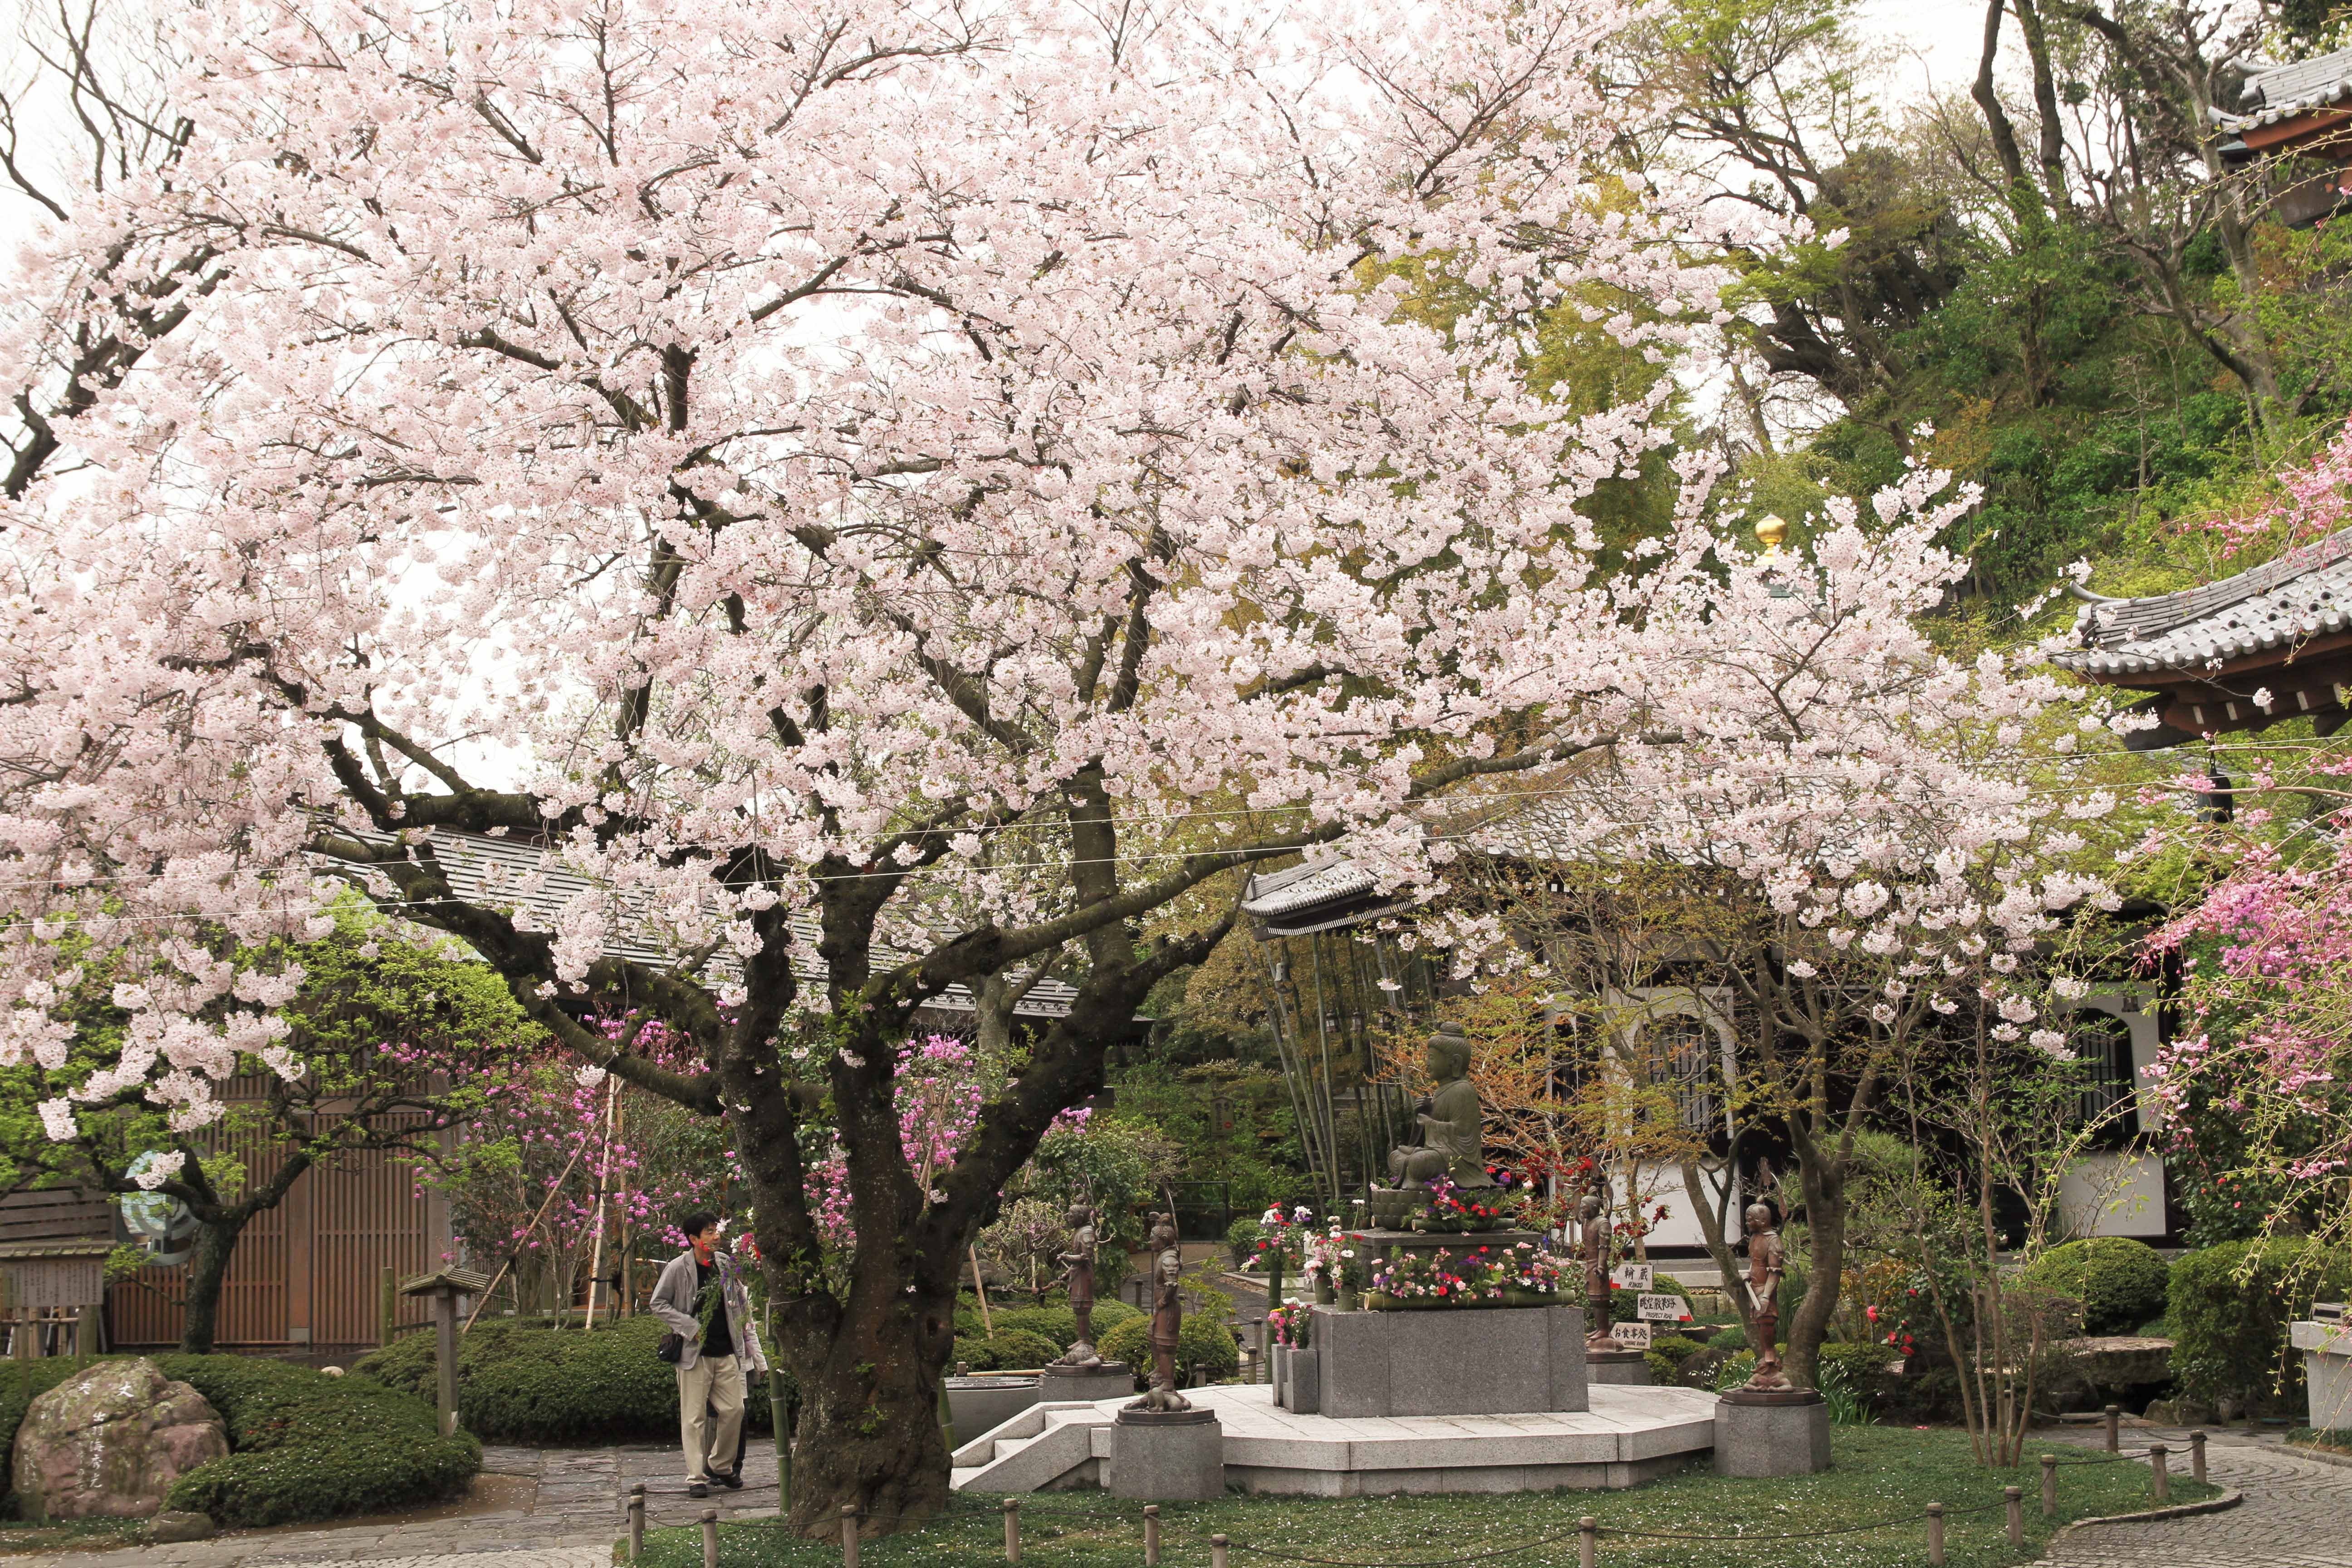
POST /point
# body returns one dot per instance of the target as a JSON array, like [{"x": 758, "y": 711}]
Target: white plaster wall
[{"x": 2119, "y": 1193}]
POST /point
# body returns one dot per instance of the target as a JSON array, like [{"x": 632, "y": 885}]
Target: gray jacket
[{"x": 673, "y": 1304}]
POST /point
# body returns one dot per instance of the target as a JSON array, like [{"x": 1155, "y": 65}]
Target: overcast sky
[{"x": 1940, "y": 37}]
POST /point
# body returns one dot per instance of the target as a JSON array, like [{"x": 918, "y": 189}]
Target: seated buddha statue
[{"x": 1447, "y": 1141}]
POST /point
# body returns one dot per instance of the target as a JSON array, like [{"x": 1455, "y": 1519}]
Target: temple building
[{"x": 2244, "y": 653}]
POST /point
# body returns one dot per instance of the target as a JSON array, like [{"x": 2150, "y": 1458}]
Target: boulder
[{"x": 110, "y": 1441}]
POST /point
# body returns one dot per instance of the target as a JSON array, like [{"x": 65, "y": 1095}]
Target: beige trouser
[{"x": 715, "y": 1382}]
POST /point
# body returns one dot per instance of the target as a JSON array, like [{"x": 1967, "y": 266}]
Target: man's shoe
[
  {"x": 732, "y": 1480},
  {"x": 695, "y": 1488}
]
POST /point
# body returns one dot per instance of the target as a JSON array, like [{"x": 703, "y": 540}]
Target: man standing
[{"x": 701, "y": 1297}]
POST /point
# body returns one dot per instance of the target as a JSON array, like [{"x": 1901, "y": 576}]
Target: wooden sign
[
  {"x": 1632, "y": 1275},
  {"x": 1661, "y": 1308},
  {"x": 1633, "y": 1336}
]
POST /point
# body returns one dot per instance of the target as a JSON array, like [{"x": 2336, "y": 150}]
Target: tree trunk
[
  {"x": 208, "y": 1270},
  {"x": 1822, "y": 1176},
  {"x": 868, "y": 1429}
]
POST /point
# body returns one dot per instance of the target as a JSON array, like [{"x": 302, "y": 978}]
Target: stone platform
[
  {"x": 1461, "y": 1361},
  {"x": 1629, "y": 1435}
]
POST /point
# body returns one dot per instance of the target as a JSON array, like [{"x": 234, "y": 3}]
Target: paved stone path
[
  {"x": 556, "y": 1508},
  {"x": 2297, "y": 1512}
]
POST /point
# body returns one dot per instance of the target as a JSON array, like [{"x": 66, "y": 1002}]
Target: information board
[
  {"x": 1632, "y": 1275},
  {"x": 1661, "y": 1308},
  {"x": 1633, "y": 1336}
]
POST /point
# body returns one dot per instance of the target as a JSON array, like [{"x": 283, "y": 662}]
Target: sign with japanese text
[
  {"x": 1661, "y": 1308},
  {"x": 1633, "y": 1336},
  {"x": 1631, "y": 1277}
]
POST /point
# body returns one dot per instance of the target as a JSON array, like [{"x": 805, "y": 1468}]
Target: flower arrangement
[
  {"x": 1293, "y": 1323},
  {"x": 1285, "y": 1240},
  {"x": 1522, "y": 1275},
  {"x": 1453, "y": 1208}
]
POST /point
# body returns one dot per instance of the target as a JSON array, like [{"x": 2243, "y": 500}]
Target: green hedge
[
  {"x": 1057, "y": 1323},
  {"x": 302, "y": 1445},
  {"x": 522, "y": 1380},
  {"x": 1205, "y": 1349},
  {"x": 2120, "y": 1282},
  {"x": 1013, "y": 1349},
  {"x": 2231, "y": 1305}
]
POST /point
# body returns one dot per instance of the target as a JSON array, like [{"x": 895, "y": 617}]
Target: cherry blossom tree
[{"x": 864, "y": 465}]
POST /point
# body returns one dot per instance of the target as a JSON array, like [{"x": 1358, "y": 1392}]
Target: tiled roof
[
  {"x": 521, "y": 877},
  {"x": 2304, "y": 593},
  {"x": 2281, "y": 92},
  {"x": 1322, "y": 882}
]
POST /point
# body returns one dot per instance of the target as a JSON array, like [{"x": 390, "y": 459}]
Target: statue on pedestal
[
  {"x": 1593, "y": 1221},
  {"x": 1078, "y": 1273},
  {"x": 1449, "y": 1141},
  {"x": 1167, "y": 1319},
  {"x": 1764, "y": 1266}
]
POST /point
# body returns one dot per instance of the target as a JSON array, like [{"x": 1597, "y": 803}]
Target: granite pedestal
[
  {"x": 1621, "y": 1368},
  {"x": 1166, "y": 1455},
  {"x": 1298, "y": 1379},
  {"x": 1063, "y": 1385},
  {"x": 2327, "y": 1368},
  {"x": 1772, "y": 1432},
  {"x": 1456, "y": 1361}
]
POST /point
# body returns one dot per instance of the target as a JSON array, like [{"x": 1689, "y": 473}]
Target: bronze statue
[
  {"x": 1593, "y": 1232},
  {"x": 1078, "y": 1273},
  {"x": 1765, "y": 1262},
  {"x": 1450, "y": 1139},
  {"x": 1167, "y": 1319}
]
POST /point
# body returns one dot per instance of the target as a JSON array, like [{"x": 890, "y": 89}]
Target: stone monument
[
  {"x": 1449, "y": 1124},
  {"x": 109, "y": 1441},
  {"x": 1081, "y": 1373},
  {"x": 1605, "y": 1360},
  {"x": 1162, "y": 1448},
  {"x": 1764, "y": 1427},
  {"x": 1463, "y": 1361}
]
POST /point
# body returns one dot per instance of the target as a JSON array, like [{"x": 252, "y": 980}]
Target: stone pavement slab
[
  {"x": 2297, "y": 1512},
  {"x": 557, "y": 1507}
]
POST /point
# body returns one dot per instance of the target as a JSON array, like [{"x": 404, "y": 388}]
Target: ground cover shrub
[
  {"x": 1734, "y": 1338},
  {"x": 1058, "y": 1324},
  {"x": 303, "y": 1445},
  {"x": 1879, "y": 1473},
  {"x": 1012, "y": 1350},
  {"x": 1206, "y": 1350},
  {"x": 2231, "y": 1305},
  {"x": 1666, "y": 1355},
  {"x": 2336, "y": 1439},
  {"x": 2120, "y": 1282},
  {"x": 1860, "y": 1372},
  {"x": 1242, "y": 1238},
  {"x": 525, "y": 1381}
]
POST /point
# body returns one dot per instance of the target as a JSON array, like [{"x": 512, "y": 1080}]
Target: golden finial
[{"x": 1770, "y": 530}]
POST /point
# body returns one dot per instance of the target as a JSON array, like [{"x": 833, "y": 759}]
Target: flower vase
[
  {"x": 1379, "y": 1301},
  {"x": 1323, "y": 1291},
  {"x": 1351, "y": 1300}
]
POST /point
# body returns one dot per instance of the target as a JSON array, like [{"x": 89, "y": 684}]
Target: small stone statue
[
  {"x": 1765, "y": 1264},
  {"x": 1079, "y": 1273},
  {"x": 1593, "y": 1232},
  {"x": 1167, "y": 1319},
  {"x": 1450, "y": 1142}
]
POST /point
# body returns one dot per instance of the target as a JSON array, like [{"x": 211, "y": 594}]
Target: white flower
[
  {"x": 1800, "y": 970},
  {"x": 2054, "y": 1043},
  {"x": 1883, "y": 1013},
  {"x": 852, "y": 1059}
]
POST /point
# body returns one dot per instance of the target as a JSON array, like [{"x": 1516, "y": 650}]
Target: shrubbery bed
[
  {"x": 303, "y": 1445},
  {"x": 2119, "y": 1281},
  {"x": 526, "y": 1382}
]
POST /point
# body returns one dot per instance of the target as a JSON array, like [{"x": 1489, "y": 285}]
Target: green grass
[{"x": 1879, "y": 1473}]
